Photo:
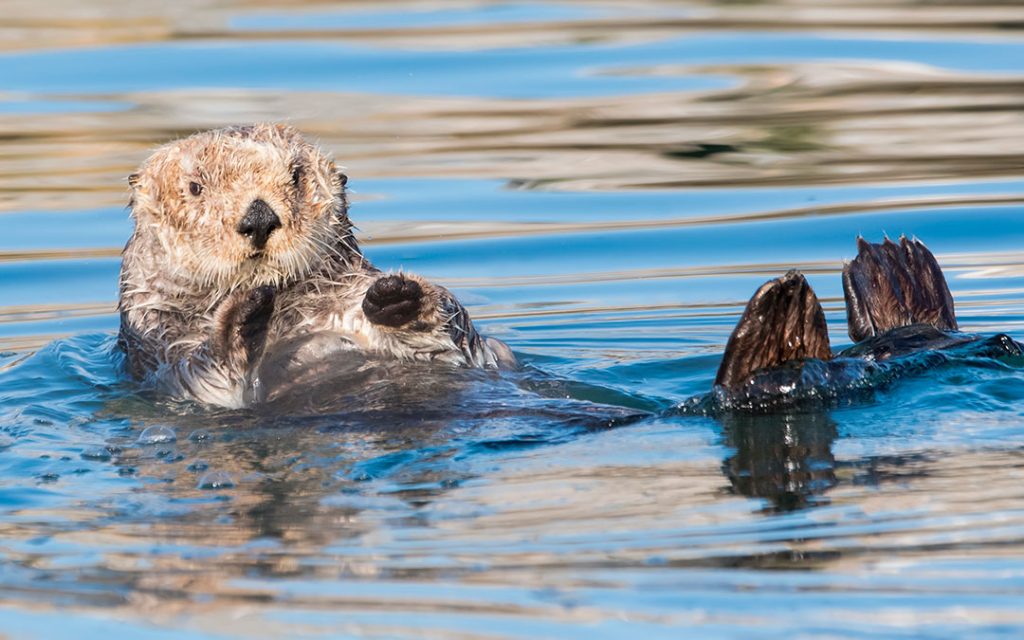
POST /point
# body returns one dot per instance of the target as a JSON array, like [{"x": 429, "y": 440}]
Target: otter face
[{"x": 242, "y": 206}]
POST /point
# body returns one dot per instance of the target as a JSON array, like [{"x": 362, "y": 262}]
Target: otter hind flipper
[
  {"x": 890, "y": 285},
  {"x": 782, "y": 322}
]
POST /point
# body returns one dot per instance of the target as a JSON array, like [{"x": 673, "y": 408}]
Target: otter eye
[{"x": 195, "y": 188}]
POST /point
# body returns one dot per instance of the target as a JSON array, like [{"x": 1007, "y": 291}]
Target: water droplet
[
  {"x": 157, "y": 434},
  {"x": 125, "y": 472},
  {"x": 216, "y": 480},
  {"x": 198, "y": 465},
  {"x": 47, "y": 478}
]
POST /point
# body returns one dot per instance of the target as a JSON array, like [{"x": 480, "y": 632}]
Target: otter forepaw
[
  {"x": 243, "y": 322},
  {"x": 254, "y": 318},
  {"x": 393, "y": 301}
]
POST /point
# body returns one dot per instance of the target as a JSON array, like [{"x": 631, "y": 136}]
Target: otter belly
[{"x": 304, "y": 361}]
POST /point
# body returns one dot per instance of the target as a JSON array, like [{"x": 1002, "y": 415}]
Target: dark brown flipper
[
  {"x": 782, "y": 322},
  {"x": 891, "y": 285}
]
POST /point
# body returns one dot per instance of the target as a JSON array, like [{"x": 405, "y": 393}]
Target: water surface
[{"x": 603, "y": 184}]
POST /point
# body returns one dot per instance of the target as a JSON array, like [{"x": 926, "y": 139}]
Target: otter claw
[{"x": 393, "y": 301}]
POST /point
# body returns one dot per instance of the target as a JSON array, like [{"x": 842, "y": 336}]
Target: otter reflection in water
[
  {"x": 779, "y": 374},
  {"x": 785, "y": 458}
]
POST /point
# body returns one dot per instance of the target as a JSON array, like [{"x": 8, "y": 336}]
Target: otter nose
[{"x": 259, "y": 222}]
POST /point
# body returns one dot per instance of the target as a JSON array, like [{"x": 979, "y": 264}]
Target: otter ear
[
  {"x": 341, "y": 179},
  {"x": 133, "y": 180}
]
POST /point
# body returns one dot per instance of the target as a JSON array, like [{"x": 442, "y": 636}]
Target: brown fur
[
  {"x": 782, "y": 322},
  {"x": 199, "y": 304},
  {"x": 891, "y": 285}
]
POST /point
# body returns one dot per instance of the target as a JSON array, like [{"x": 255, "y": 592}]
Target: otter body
[
  {"x": 242, "y": 244},
  {"x": 243, "y": 273}
]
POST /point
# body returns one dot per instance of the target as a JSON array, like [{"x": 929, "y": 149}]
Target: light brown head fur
[{"x": 190, "y": 196}]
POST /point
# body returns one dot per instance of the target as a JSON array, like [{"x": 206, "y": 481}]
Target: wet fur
[
  {"x": 891, "y": 285},
  {"x": 897, "y": 302},
  {"x": 200, "y": 307},
  {"x": 782, "y": 322}
]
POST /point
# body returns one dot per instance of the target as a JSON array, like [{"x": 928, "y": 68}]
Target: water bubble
[
  {"x": 198, "y": 465},
  {"x": 47, "y": 478},
  {"x": 216, "y": 480},
  {"x": 99, "y": 454},
  {"x": 126, "y": 472},
  {"x": 157, "y": 434},
  {"x": 199, "y": 435}
]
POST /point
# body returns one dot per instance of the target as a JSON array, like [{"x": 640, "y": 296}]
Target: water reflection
[
  {"x": 467, "y": 496},
  {"x": 784, "y": 458}
]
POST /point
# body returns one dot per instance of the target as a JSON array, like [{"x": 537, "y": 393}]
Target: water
[{"x": 604, "y": 184}]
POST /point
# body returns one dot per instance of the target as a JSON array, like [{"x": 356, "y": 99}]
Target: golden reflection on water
[
  {"x": 811, "y": 122},
  {"x": 65, "y": 23},
  {"x": 497, "y": 540},
  {"x": 913, "y": 131}
]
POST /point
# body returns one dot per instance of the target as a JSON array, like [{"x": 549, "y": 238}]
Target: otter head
[{"x": 243, "y": 206}]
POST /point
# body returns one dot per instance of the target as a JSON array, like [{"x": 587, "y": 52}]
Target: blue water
[{"x": 603, "y": 185}]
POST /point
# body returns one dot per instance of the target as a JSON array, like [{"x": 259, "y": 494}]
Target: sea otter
[
  {"x": 900, "y": 315},
  {"x": 243, "y": 268},
  {"x": 242, "y": 247}
]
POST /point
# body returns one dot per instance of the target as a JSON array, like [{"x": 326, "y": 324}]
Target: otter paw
[
  {"x": 253, "y": 317},
  {"x": 393, "y": 301}
]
